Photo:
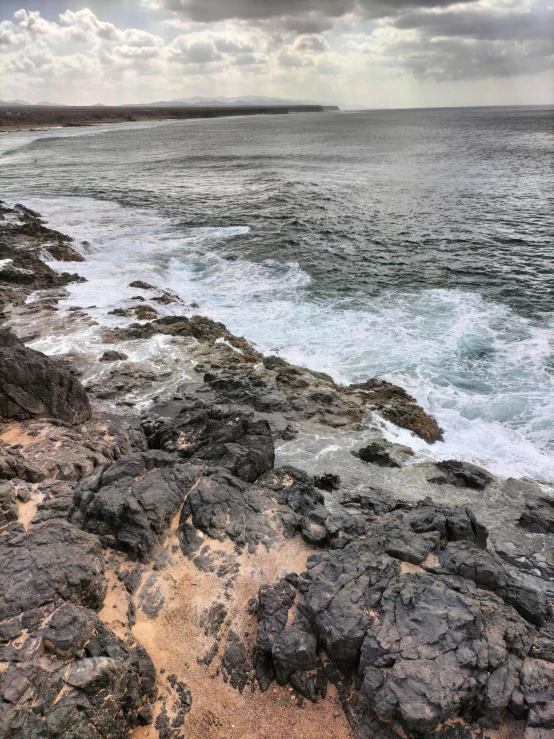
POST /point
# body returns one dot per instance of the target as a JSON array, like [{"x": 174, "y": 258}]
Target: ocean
[{"x": 412, "y": 245}]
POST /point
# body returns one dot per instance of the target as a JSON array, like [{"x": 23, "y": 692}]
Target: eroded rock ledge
[{"x": 161, "y": 578}]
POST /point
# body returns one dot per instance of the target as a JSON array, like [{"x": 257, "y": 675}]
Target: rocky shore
[{"x": 166, "y": 572}]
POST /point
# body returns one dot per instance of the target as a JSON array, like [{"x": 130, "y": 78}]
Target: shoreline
[
  {"x": 13, "y": 118},
  {"x": 234, "y": 589}
]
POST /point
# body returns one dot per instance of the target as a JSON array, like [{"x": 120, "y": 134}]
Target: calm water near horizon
[{"x": 415, "y": 245}]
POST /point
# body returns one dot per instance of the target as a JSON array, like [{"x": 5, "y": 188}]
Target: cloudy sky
[{"x": 379, "y": 53}]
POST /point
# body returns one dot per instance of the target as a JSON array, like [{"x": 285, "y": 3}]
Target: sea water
[{"x": 416, "y": 246}]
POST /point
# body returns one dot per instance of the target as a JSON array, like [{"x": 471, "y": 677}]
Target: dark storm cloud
[
  {"x": 475, "y": 42},
  {"x": 480, "y": 24},
  {"x": 316, "y": 12}
]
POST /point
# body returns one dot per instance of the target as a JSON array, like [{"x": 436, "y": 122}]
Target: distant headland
[{"x": 16, "y": 115}]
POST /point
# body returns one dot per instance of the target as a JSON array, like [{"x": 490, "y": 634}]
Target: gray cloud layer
[{"x": 450, "y": 41}]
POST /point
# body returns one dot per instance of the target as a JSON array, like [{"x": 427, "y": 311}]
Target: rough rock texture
[
  {"x": 224, "y": 506},
  {"x": 384, "y": 454},
  {"x": 130, "y": 504},
  {"x": 51, "y": 563},
  {"x": 538, "y": 515},
  {"x": 36, "y": 450},
  {"x": 304, "y": 394},
  {"x": 223, "y": 439},
  {"x": 462, "y": 474},
  {"x": 32, "y": 386},
  {"x": 72, "y": 677},
  {"x": 414, "y": 644},
  {"x": 24, "y": 239}
]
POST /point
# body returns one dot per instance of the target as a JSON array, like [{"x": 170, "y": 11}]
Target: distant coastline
[{"x": 24, "y": 117}]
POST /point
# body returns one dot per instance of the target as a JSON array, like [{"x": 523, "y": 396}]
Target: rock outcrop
[
  {"x": 34, "y": 386},
  {"x": 70, "y": 676},
  {"x": 162, "y": 570}
]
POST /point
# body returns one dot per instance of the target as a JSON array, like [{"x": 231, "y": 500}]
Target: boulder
[
  {"x": 49, "y": 564},
  {"x": 130, "y": 505},
  {"x": 384, "y": 454},
  {"x": 462, "y": 474},
  {"x": 33, "y": 385}
]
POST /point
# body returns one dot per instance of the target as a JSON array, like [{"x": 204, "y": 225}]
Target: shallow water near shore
[{"x": 316, "y": 240}]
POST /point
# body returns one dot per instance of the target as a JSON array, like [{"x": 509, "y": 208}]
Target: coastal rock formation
[
  {"x": 24, "y": 239},
  {"x": 41, "y": 449},
  {"x": 72, "y": 677},
  {"x": 220, "y": 438},
  {"x": 34, "y": 386},
  {"x": 420, "y": 644},
  {"x": 163, "y": 570},
  {"x": 50, "y": 563},
  {"x": 130, "y": 504}
]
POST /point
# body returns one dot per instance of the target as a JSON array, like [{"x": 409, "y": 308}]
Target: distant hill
[
  {"x": 248, "y": 100},
  {"x": 14, "y": 102},
  {"x": 52, "y": 105}
]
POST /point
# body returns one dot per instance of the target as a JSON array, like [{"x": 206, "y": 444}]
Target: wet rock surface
[
  {"x": 24, "y": 241},
  {"x": 304, "y": 593}
]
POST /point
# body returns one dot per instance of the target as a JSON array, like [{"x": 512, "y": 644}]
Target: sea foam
[{"x": 482, "y": 370}]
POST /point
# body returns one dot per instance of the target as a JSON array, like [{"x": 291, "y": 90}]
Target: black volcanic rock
[
  {"x": 50, "y": 563},
  {"x": 462, "y": 474},
  {"x": 538, "y": 515},
  {"x": 423, "y": 642},
  {"x": 72, "y": 677},
  {"x": 223, "y": 439},
  {"x": 130, "y": 504},
  {"x": 224, "y": 506},
  {"x": 33, "y": 385}
]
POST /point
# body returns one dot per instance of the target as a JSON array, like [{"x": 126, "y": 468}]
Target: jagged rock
[
  {"x": 8, "y": 504},
  {"x": 426, "y": 645},
  {"x": 538, "y": 515},
  {"x": 201, "y": 328},
  {"x": 32, "y": 385},
  {"x": 274, "y": 603},
  {"x": 223, "y": 439},
  {"x": 534, "y": 695},
  {"x": 397, "y": 406},
  {"x": 462, "y": 474},
  {"x": 293, "y": 650},
  {"x": 44, "y": 448},
  {"x": 56, "y": 502},
  {"x": 23, "y": 240},
  {"x": 327, "y": 482},
  {"x": 113, "y": 356},
  {"x": 130, "y": 504},
  {"x": 50, "y": 563},
  {"x": 465, "y": 559},
  {"x": 73, "y": 677},
  {"x": 222, "y": 506},
  {"x": 384, "y": 454}
]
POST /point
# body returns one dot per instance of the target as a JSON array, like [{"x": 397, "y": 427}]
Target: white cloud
[{"x": 332, "y": 50}]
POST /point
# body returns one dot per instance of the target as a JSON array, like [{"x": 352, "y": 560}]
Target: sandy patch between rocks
[{"x": 175, "y": 639}]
